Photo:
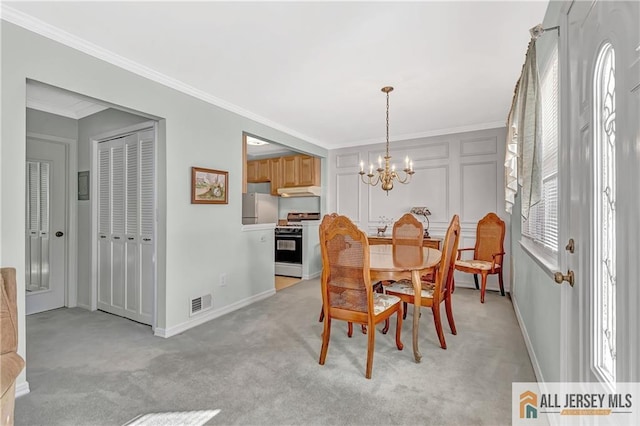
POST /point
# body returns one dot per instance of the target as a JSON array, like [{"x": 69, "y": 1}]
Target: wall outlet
[
  {"x": 223, "y": 279},
  {"x": 263, "y": 238}
]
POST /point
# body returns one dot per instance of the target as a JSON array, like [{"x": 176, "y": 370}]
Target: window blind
[{"x": 542, "y": 224}]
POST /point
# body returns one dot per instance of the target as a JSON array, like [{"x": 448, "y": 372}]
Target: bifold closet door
[{"x": 125, "y": 226}]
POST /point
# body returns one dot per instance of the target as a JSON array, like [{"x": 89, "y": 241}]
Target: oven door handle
[{"x": 282, "y": 237}]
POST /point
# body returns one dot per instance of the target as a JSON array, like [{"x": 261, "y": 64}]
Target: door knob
[
  {"x": 59, "y": 234},
  {"x": 559, "y": 277}
]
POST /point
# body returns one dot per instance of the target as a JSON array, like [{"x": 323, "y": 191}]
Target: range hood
[{"x": 300, "y": 191}]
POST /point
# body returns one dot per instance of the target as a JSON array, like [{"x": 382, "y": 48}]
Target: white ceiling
[{"x": 315, "y": 69}]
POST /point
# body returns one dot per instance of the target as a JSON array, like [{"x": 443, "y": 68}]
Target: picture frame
[
  {"x": 83, "y": 185},
  {"x": 209, "y": 186}
]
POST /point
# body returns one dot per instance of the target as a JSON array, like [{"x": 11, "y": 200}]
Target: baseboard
[
  {"x": 311, "y": 276},
  {"x": 208, "y": 316},
  {"x": 83, "y": 306},
  {"x": 22, "y": 389},
  {"x": 527, "y": 341}
]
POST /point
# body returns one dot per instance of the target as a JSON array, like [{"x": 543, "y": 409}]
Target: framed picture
[
  {"x": 209, "y": 186},
  {"x": 83, "y": 185}
]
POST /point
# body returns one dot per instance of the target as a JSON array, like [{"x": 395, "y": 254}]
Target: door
[
  {"x": 602, "y": 80},
  {"x": 126, "y": 226},
  {"x": 45, "y": 275}
]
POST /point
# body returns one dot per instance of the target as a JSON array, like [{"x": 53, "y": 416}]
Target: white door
[
  {"x": 603, "y": 80},
  {"x": 125, "y": 213},
  {"x": 45, "y": 275}
]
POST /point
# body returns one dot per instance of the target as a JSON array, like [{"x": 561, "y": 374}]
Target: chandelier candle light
[{"x": 387, "y": 174}]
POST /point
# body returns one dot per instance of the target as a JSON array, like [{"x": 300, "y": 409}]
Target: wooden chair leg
[
  {"x": 321, "y": 314},
  {"x": 404, "y": 310},
  {"x": 349, "y": 329},
  {"x": 475, "y": 278},
  {"x": 484, "y": 286},
  {"x": 385, "y": 329},
  {"x": 399, "y": 344},
  {"x": 500, "y": 281},
  {"x": 438, "y": 322},
  {"x": 449, "y": 310},
  {"x": 371, "y": 342},
  {"x": 325, "y": 341}
]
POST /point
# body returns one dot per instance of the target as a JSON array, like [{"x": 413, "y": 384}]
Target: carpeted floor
[{"x": 259, "y": 366}]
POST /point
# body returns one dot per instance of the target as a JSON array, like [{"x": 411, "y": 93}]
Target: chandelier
[{"x": 387, "y": 174}]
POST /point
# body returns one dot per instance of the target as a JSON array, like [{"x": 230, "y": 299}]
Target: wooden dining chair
[
  {"x": 433, "y": 294},
  {"x": 407, "y": 231},
  {"x": 488, "y": 252},
  {"x": 347, "y": 293}
]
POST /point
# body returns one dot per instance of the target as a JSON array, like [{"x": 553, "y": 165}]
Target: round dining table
[{"x": 395, "y": 262}]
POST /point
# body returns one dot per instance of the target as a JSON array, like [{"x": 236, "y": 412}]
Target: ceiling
[{"x": 314, "y": 69}]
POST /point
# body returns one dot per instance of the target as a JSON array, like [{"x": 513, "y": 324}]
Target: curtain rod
[{"x": 537, "y": 31}]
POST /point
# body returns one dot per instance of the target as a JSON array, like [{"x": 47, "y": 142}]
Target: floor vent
[{"x": 200, "y": 304}]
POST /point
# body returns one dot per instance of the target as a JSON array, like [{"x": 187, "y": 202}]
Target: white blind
[{"x": 542, "y": 224}]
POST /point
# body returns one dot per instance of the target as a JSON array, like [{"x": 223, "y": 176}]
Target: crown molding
[
  {"x": 49, "y": 31},
  {"x": 428, "y": 134}
]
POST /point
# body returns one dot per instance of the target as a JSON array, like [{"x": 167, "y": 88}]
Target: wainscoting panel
[
  {"x": 478, "y": 195},
  {"x": 348, "y": 160},
  {"x": 347, "y": 189},
  {"x": 478, "y": 146}
]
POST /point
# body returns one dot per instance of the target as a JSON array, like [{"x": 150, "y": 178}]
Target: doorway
[{"x": 46, "y": 230}]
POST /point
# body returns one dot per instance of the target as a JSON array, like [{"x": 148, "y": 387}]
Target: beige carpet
[{"x": 284, "y": 282}]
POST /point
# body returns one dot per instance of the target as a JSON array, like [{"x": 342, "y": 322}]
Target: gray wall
[{"x": 196, "y": 243}]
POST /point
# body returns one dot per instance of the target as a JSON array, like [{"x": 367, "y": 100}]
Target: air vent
[{"x": 200, "y": 304}]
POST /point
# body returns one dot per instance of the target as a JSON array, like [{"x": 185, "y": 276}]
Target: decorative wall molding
[
  {"x": 479, "y": 146},
  {"x": 483, "y": 180},
  {"x": 348, "y": 185},
  {"x": 347, "y": 160}
]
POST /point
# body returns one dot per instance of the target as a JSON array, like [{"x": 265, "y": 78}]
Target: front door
[
  {"x": 45, "y": 277},
  {"x": 603, "y": 80}
]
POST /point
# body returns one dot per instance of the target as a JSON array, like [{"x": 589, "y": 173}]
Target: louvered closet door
[{"x": 126, "y": 226}]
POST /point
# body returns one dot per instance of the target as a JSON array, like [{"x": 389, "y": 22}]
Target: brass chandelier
[{"x": 387, "y": 174}]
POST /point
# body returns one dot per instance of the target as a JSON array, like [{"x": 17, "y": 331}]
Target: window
[
  {"x": 604, "y": 217},
  {"x": 542, "y": 224}
]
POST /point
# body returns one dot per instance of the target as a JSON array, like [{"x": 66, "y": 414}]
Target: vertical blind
[{"x": 542, "y": 224}]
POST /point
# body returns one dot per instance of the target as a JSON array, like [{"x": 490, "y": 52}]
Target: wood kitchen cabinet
[
  {"x": 276, "y": 174},
  {"x": 308, "y": 171},
  {"x": 290, "y": 170},
  {"x": 259, "y": 171},
  {"x": 285, "y": 172},
  {"x": 252, "y": 171},
  {"x": 300, "y": 170}
]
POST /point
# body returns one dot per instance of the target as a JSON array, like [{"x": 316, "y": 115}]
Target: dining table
[{"x": 395, "y": 262}]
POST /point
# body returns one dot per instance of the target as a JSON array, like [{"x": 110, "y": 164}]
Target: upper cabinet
[
  {"x": 276, "y": 174},
  {"x": 285, "y": 172},
  {"x": 308, "y": 171}
]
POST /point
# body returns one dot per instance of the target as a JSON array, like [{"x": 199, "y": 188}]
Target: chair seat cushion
[
  {"x": 406, "y": 287},
  {"x": 474, "y": 264},
  {"x": 382, "y": 302}
]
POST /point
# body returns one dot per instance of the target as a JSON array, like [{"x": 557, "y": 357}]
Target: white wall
[
  {"x": 196, "y": 243},
  {"x": 460, "y": 173}
]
